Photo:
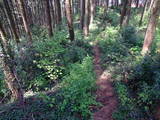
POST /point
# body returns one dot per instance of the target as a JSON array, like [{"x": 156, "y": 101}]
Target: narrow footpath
[{"x": 105, "y": 93}]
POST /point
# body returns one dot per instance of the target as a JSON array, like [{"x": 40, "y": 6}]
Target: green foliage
[
  {"x": 76, "y": 51},
  {"x": 45, "y": 61},
  {"x": 143, "y": 88},
  {"x": 58, "y": 61},
  {"x": 127, "y": 109},
  {"x": 49, "y": 59},
  {"x": 135, "y": 19},
  {"x": 129, "y": 36},
  {"x": 39, "y": 33},
  {"x": 135, "y": 50},
  {"x": 100, "y": 11},
  {"x": 3, "y": 89},
  {"x": 111, "y": 47},
  {"x": 34, "y": 108},
  {"x": 122, "y": 91},
  {"x": 48, "y": 53},
  {"x": 112, "y": 17},
  {"x": 121, "y": 53},
  {"x": 39, "y": 83},
  {"x": 77, "y": 89},
  {"x": 73, "y": 99},
  {"x": 156, "y": 43}
]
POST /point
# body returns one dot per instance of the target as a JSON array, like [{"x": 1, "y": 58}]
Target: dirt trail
[{"x": 105, "y": 92}]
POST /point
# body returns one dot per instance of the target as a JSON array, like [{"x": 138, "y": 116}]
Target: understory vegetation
[
  {"x": 136, "y": 78},
  {"x": 58, "y": 77}
]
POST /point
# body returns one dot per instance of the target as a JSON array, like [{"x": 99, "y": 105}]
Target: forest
[{"x": 79, "y": 59}]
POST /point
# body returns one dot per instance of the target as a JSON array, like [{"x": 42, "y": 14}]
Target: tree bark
[
  {"x": 59, "y": 16},
  {"x": 82, "y": 9},
  {"x": 92, "y": 9},
  {"x": 48, "y": 18},
  {"x": 106, "y": 5},
  {"x": 25, "y": 20},
  {"x": 9, "y": 68},
  {"x": 86, "y": 18},
  {"x": 69, "y": 19},
  {"x": 151, "y": 27},
  {"x": 128, "y": 13},
  {"x": 123, "y": 13},
  {"x": 137, "y": 3},
  {"x": 11, "y": 21},
  {"x": 144, "y": 7},
  {"x": 151, "y": 5}
]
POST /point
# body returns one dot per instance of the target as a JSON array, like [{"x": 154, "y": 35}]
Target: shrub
[
  {"x": 71, "y": 101},
  {"x": 127, "y": 109},
  {"x": 3, "y": 89},
  {"x": 39, "y": 33},
  {"x": 129, "y": 36},
  {"x": 77, "y": 89},
  {"x": 156, "y": 43},
  {"x": 110, "y": 45},
  {"x": 44, "y": 64},
  {"x": 112, "y": 17},
  {"x": 143, "y": 86},
  {"x": 77, "y": 51}
]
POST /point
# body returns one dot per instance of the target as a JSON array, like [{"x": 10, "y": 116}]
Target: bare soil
[{"x": 105, "y": 93}]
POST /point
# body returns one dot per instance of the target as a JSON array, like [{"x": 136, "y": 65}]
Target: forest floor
[{"x": 105, "y": 93}]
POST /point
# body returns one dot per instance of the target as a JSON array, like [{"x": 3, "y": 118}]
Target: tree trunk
[
  {"x": 123, "y": 13},
  {"x": 11, "y": 20},
  {"x": 53, "y": 14},
  {"x": 151, "y": 27},
  {"x": 106, "y": 5},
  {"x": 69, "y": 19},
  {"x": 137, "y": 3},
  {"x": 82, "y": 8},
  {"x": 151, "y": 5},
  {"x": 144, "y": 7},
  {"x": 92, "y": 9},
  {"x": 86, "y": 18},
  {"x": 128, "y": 13},
  {"x": 9, "y": 68},
  {"x": 59, "y": 16},
  {"x": 48, "y": 18},
  {"x": 25, "y": 20},
  {"x": 117, "y": 3}
]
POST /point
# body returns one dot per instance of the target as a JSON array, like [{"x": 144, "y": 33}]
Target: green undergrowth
[
  {"x": 52, "y": 62},
  {"x": 71, "y": 102},
  {"x": 139, "y": 95},
  {"x": 57, "y": 61},
  {"x": 43, "y": 66},
  {"x": 136, "y": 78}
]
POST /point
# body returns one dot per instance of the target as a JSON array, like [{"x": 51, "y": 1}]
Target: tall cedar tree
[
  {"x": 123, "y": 12},
  {"x": 59, "y": 16},
  {"x": 151, "y": 27},
  {"x": 128, "y": 13},
  {"x": 9, "y": 67},
  {"x": 11, "y": 20},
  {"x": 48, "y": 18},
  {"x": 142, "y": 15},
  {"x": 25, "y": 20},
  {"x": 106, "y": 5},
  {"x": 92, "y": 10},
  {"x": 82, "y": 9},
  {"x": 69, "y": 19},
  {"x": 86, "y": 18},
  {"x": 137, "y": 3}
]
